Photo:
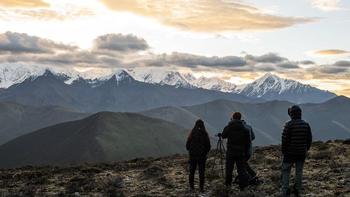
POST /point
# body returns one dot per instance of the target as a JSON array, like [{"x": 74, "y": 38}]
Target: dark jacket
[
  {"x": 296, "y": 139},
  {"x": 198, "y": 144},
  {"x": 252, "y": 138},
  {"x": 238, "y": 139}
]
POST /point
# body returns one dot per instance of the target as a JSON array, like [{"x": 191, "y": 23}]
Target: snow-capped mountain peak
[
  {"x": 273, "y": 87},
  {"x": 160, "y": 76},
  {"x": 268, "y": 87},
  {"x": 215, "y": 83}
]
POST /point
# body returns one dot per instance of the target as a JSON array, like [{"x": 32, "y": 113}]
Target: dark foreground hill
[
  {"x": 104, "y": 136},
  {"x": 326, "y": 173},
  {"x": 17, "y": 119}
]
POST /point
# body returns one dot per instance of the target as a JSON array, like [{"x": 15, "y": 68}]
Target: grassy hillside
[
  {"x": 104, "y": 136},
  {"x": 17, "y": 119},
  {"x": 326, "y": 173}
]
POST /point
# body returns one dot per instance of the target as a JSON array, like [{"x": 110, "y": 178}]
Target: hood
[{"x": 295, "y": 112}]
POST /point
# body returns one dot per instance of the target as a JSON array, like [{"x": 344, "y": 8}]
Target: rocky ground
[{"x": 327, "y": 173}]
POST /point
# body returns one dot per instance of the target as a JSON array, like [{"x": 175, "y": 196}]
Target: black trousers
[
  {"x": 241, "y": 170},
  {"x": 250, "y": 171},
  {"x": 200, "y": 162}
]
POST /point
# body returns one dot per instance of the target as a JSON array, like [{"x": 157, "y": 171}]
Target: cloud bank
[
  {"x": 205, "y": 15},
  {"x": 125, "y": 51},
  {"x": 23, "y": 43},
  {"x": 23, "y": 3}
]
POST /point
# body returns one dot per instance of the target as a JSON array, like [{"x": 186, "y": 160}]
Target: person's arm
[
  {"x": 208, "y": 146},
  {"x": 285, "y": 138},
  {"x": 309, "y": 138},
  {"x": 252, "y": 133},
  {"x": 225, "y": 133},
  {"x": 188, "y": 143},
  {"x": 248, "y": 140}
]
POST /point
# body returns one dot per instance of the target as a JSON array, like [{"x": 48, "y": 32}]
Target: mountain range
[
  {"x": 268, "y": 87},
  {"x": 101, "y": 137},
  {"x": 118, "y": 92}
]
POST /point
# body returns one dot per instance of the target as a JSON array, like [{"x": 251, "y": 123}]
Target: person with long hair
[{"x": 198, "y": 146}]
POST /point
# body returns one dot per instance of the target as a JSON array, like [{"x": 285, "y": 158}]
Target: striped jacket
[{"x": 296, "y": 138}]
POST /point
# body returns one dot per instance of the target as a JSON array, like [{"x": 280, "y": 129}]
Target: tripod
[{"x": 219, "y": 154}]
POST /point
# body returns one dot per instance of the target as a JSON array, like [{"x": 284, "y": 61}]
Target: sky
[{"x": 237, "y": 40}]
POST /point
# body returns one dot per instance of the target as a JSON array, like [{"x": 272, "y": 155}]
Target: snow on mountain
[
  {"x": 272, "y": 87},
  {"x": 178, "y": 79},
  {"x": 11, "y": 74},
  {"x": 160, "y": 76},
  {"x": 215, "y": 84},
  {"x": 268, "y": 87}
]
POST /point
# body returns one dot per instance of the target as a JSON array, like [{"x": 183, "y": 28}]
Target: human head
[
  {"x": 236, "y": 116},
  {"x": 199, "y": 124},
  {"x": 198, "y": 128},
  {"x": 295, "y": 112}
]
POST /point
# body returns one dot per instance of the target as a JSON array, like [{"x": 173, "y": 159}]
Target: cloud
[
  {"x": 344, "y": 64},
  {"x": 288, "y": 65},
  {"x": 326, "y": 5},
  {"x": 266, "y": 58},
  {"x": 190, "y": 60},
  {"x": 23, "y": 3},
  {"x": 333, "y": 70},
  {"x": 331, "y": 52},
  {"x": 205, "y": 15},
  {"x": 307, "y": 62},
  {"x": 23, "y": 43},
  {"x": 339, "y": 67},
  {"x": 119, "y": 42}
]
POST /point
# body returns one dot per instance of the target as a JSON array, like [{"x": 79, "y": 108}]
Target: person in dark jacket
[
  {"x": 250, "y": 171},
  {"x": 198, "y": 145},
  {"x": 238, "y": 143},
  {"x": 296, "y": 141}
]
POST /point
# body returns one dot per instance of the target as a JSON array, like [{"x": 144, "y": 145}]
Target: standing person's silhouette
[
  {"x": 198, "y": 145},
  {"x": 238, "y": 145},
  {"x": 296, "y": 141}
]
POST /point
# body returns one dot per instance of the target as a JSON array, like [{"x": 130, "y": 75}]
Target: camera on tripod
[
  {"x": 220, "y": 151},
  {"x": 218, "y": 135}
]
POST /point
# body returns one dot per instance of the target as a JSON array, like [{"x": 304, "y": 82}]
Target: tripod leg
[{"x": 215, "y": 153}]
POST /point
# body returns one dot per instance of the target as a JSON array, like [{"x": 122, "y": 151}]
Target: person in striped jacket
[{"x": 296, "y": 141}]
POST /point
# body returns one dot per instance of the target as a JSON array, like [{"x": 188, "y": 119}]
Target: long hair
[{"x": 199, "y": 129}]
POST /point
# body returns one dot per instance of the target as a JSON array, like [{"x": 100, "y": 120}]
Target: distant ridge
[{"x": 328, "y": 120}]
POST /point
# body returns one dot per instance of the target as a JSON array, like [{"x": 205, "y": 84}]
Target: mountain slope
[
  {"x": 328, "y": 120},
  {"x": 104, "y": 136},
  {"x": 17, "y": 120},
  {"x": 118, "y": 92},
  {"x": 272, "y": 87},
  {"x": 177, "y": 115}
]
